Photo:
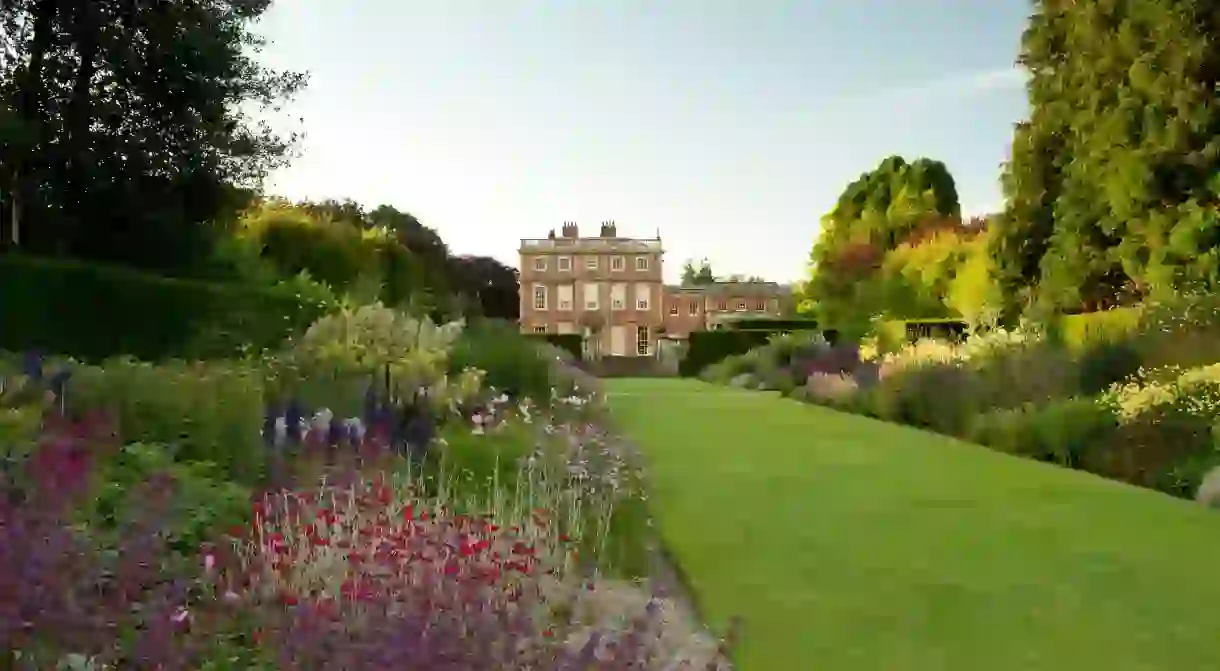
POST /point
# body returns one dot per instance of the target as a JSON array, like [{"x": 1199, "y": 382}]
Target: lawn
[{"x": 847, "y": 543}]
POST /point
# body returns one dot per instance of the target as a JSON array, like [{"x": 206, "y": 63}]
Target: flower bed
[{"x": 435, "y": 521}]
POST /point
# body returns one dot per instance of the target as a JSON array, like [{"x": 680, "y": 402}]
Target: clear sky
[{"x": 729, "y": 125}]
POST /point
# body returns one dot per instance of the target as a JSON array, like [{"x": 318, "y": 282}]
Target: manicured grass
[{"x": 847, "y": 543}]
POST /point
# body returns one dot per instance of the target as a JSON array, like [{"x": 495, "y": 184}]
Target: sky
[{"x": 729, "y": 126}]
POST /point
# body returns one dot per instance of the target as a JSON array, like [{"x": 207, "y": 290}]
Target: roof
[{"x": 730, "y": 289}]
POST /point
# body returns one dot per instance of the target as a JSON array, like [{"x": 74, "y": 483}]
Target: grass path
[{"x": 850, "y": 544}]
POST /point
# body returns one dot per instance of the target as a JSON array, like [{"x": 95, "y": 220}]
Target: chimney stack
[
  {"x": 570, "y": 230},
  {"x": 609, "y": 230}
]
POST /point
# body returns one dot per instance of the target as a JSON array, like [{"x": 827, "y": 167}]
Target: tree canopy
[
  {"x": 122, "y": 131},
  {"x": 1113, "y": 182}
]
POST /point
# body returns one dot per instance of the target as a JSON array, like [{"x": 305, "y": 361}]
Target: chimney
[
  {"x": 609, "y": 230},
  {"x": 570, "y": 230}
]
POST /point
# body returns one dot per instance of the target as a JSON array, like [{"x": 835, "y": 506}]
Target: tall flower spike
[
  {"x": 31, "y": 365},
  {"x": 292, "y": 417},
  {"x": 270, "y": 415}
]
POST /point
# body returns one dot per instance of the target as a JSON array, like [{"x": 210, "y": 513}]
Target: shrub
[
  {"x": 833, "y": 389},
  {"x": 511, "y": 360},
  {"x": 1063, "y": 432},
  {"x": 204, "y": 502},
  {"x": 708, "y": 347},
  {"x": 1102, "y": 363},
  {"x": 573, "y": 343},
  {"x": 206, "y": 412},
  {"x": 1165, "y": 435},
  {"x": 94, "y": 312},
  {"x": 940, "y": 396}
]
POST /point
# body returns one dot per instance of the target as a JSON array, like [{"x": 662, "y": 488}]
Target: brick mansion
[{"x": 611, "y": 288}]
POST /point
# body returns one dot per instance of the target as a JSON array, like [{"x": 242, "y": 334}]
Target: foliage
[
  {"x": 93, "y": 312},
  {"x": 693, "y": 275},
  {"x": 773, "y": 325},
  {"x": 115, "y": 163},
  {"x": 509, "y": 358},
  {"x": 203, "y": 412},
  {"x": 1112, "y": 180},
  {"x": 572, "y": 343},
  {"x": 708, "y": 347},
  {"x": 873, "y": 216},
  {"x": 1066, "y": 432}
]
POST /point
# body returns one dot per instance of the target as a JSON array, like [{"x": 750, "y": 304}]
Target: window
[
  {"x": 641, "y": 263},
  {"x": 591, "y": 292},
  {"x": 694, "y": 307},
  {"x": 723, "y": 304},
  {"x": 616, "y": 263},
  {"x": 760, "y": 305},
  {"x": 643, "y": 296},
  {"x": 565, "y": 263},
  {"x": 540, "y": 329},
  {"x": 539, "y": 263},
  {"x": 641, "y": 340},
  {"x": 539, "y": 297},
  {"x": 591, "y": 263},
  {"x": 567, "y": 327},
  {"x": 673, "y": 307},
  {"x": 618, "y": 296},
  {"x": 565, "y": 297},
  {"x": 741, "y": 306}
]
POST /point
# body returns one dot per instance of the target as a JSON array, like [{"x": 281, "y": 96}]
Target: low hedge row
[{"x": 92, "y": 312}]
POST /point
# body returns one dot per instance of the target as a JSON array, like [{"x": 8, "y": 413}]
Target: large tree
[
  {"x": 874, "y": 215},
  {"x": 124, "y": 131},
  {"x": 1112, "y": 185}
]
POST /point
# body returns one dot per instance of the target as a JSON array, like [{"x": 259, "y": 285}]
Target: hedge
[
  {"x": 92, "y": 312},
  {"x": 572, "y": 342},
  {"x": 763, "y": 324},
  {"x": 708, "y": 347}
]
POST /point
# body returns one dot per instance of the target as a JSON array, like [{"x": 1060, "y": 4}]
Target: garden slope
[{"x": 847, "y": 543}]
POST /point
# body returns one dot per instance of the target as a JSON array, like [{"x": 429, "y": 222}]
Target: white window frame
[
  {"x": 618, "y": 301},
  {"x": 565, "y": 304},
  {"x": 675, "y": 307},
  {"x": 540, "y": 293},
  {"x": 617, "y": 264},
  {"x": 694, "y": 307},
  {"x": 540, "y": 329},
  {"x": 741, "y": 306},
  {"x": 540, "y": 263},
  {"x": 641, "y": 263},
  {"x": 594, "y": 304},
  {"x": 646, "y": 302},
  {"x": 591, "y": 263},
  {"x": 760, "y": 305},
  {"x": 564, "y": 264},
  {"x": 641, "y": 340}
]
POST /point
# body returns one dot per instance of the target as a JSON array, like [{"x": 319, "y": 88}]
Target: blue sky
[{"x": 729, "y": 125}]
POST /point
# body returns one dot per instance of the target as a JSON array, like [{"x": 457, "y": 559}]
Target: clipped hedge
[
  {"x": 705, "y": 348},
  {"x": 92, "y": 312},
  {"x": 1082, "y": 330},
  {"x": 572, "y": 342},
  {"x": 764, "y": 324}
]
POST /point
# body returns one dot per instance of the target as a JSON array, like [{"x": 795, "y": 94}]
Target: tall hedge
[
  {"x": 92, "y": 312},
  {"x": 708, "y": 347}
]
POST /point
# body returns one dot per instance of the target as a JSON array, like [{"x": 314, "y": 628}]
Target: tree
[
  {"x": 1112, "y": 189},
  {"x": 132, "y": 134},
  {"x": 487, "y": 284},
  {"x": 701, "y": 274},
  {"x": 874, "y": 215}
]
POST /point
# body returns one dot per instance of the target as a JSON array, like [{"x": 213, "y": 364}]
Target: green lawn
[{"x": 847, "y": 543}]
